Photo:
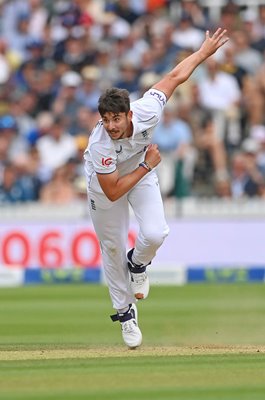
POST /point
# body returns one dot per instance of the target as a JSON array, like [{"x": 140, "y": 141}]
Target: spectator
[
  {"x": 186, "y": 35},
  {"x": 77, "y": 50},
  {"x": 220, "y": 94},
  {"x": 134, "y": 45},
  {"x": 36, "y": 51},
  {"x": 246, "y": 57},
  {"x": 260, "y": 84},
  {"x": 260, "y": 24},
  {"x": 128, "y": 76},
  {"x": 66, "y": 102},
  {"x": 88, "y": 94},
  {"x": 56, "y": 147},
  {"x": 93, "y": 9},
  {"x": 211, "y": 166},
  {"x": 35, "y": 11},
  {"x": 253, "y": 25},
  {"x": 25, "y": 76},
  {"x": 79, "y": 180},
  {"x": 106, "y": 64},
  {"x": 257, "y": 133},
  {"x": 124, "y": 10},
  {"x": 21, "y": 36},
  {"x": 5, "y": 68},
  {"x": 195, "y": 11},
  {"x": 228, "y": 64},
  {"x": 85, "y": 122},
  {"x": 38, "y": 18},
  {"x": 250, "y": 148},
  {"x": 246, "y": 180},
  {"x": 229, "y": 16},
  {"x": 146, "y": 81},
  {"x": 253, "y": 100},
  {"x": 154, "y": 5},
  {"x": 46, "y": 46},
  {"x": 112, "y": 27},
  {"x": 44, "y": 122},
  {"x": 16, "y": 143},
  {"x": 174, "y": 139},
  {"x": 4, "y": 147},
  {"x": 59, "y": 190},
  {"x": 161, "y": 54},
  {"x": 23, "y": 106},
  {"x": 28, "y": 175},
  {"x": 46, "y": 86},
  {"x": 11, "y": 187}
]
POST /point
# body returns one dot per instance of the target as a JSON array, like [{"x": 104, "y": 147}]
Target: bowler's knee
[{"x": 155, "y": 237}]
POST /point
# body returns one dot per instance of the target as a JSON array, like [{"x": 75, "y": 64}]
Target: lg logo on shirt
[{"x": 106, "y": 161}]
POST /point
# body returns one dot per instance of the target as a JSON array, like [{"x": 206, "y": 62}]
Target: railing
[{"x": 186, "y": 208}]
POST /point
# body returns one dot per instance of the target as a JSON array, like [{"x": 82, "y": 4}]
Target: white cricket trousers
[{"x": 111, "y": 223}]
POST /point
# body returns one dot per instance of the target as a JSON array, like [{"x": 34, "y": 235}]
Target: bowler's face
[{"x": 118, "y": 126}]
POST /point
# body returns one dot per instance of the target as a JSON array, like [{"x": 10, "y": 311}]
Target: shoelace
[
  {"x": 128, "y": 326},
  {"x": 139, "y": 278}
]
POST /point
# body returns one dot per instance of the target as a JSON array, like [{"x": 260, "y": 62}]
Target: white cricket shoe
[
  {"x": 131, "y": 333},
  {"x": 139, "y": 278}
]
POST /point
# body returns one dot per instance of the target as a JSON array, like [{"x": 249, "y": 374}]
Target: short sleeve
[
  {"x": 150, "y": 107},
  {"x": 157, "y": 97},
  {"x": 104, "y": 160}
]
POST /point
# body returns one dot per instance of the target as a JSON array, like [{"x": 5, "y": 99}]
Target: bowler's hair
[{"x": 114, "y": 100}]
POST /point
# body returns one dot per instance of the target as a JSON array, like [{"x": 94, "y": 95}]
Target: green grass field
[{"x": 200, "y": 342}]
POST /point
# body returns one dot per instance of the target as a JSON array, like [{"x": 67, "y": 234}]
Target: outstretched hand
[
  {"x": 184, "y": 69},
  {"x": 211, "y": 44}
]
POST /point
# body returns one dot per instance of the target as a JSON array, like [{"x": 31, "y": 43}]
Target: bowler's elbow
[
  {"x": 112, "y": 196},
  {"x": 108, "y": 184}
]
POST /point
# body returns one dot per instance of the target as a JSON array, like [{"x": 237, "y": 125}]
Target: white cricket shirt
[{"x": 104, "y": 155}]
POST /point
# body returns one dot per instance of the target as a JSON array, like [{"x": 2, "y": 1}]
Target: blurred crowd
[{"x": 56, "y": 58}]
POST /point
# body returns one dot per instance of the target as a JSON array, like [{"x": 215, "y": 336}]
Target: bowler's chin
[{"x": 115, "y": 136}]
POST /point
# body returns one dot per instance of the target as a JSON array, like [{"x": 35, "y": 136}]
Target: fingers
[
  {"x": 152, "y": 146},
  {"x": 219, "y": 37},
  {"x": 224, "y": 41},
  {"x": 222, "y": 36},
  {"x": 219, "y": 34},
  {"x": 152, "y": 155},
  {"x": 152, "y": 149}
]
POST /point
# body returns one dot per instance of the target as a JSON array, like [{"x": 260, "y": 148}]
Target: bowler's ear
[{"x": 130, "y": 114}]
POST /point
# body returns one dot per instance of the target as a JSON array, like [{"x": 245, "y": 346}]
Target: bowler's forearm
[
  {"x": 186, "y": 67},
  {"x": 180, "y": 73},
  {"x": 115, "y": 186}
]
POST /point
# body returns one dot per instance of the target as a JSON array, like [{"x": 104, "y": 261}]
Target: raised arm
[{"x": 184, "y": 69}]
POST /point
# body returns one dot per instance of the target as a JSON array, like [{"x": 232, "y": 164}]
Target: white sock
[{"x": 135, "y": 263}]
